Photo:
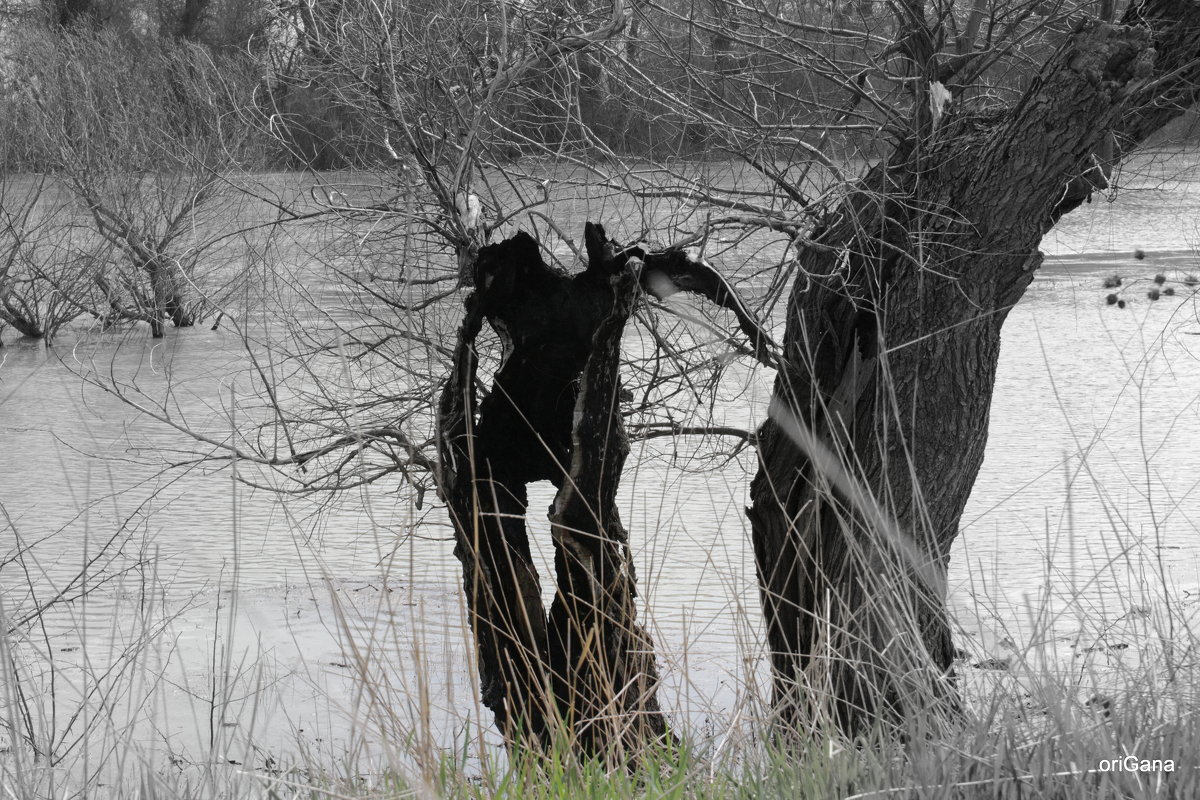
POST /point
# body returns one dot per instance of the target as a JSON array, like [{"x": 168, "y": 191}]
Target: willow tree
[{"x": 987, "y": 122}]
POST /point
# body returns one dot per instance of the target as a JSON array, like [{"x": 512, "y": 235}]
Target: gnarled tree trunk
[
  {"x": 584, "y": 674},
  {"x": 880, "y": 410}
]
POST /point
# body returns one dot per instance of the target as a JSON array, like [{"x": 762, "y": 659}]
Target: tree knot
[{"x": 1113, "y": 54}]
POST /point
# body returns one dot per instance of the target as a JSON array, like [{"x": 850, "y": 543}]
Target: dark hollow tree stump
[{"x": 584, "y": 673}]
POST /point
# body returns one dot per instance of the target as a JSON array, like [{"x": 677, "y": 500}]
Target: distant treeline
[
  {"x": 663, "y": 86},
  {"x": 279, "y": 79}
]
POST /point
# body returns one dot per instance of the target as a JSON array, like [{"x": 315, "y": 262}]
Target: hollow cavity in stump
[{"x": 585, "y": 670}]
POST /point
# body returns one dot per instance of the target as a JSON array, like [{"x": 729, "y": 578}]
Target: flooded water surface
[{"x": 282, "y": 603}]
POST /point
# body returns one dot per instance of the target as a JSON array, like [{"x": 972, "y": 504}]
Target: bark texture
[
  {"x": 584, "y": 671},
  {"x": 880, "y": 410}
]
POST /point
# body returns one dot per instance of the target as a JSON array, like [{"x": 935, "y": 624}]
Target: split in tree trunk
[{"x": 583, "y": 674}]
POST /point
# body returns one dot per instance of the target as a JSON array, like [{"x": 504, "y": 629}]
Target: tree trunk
[
  {"x": 17, "y": 314},
  {"x": 178, "y": 312},
  {"x": 161, "y": 292},
  {"x": 191, "y": 18},
  {"x": 583, "y": 675},
  {"x": 67, "y": 13},
  {"x": 601, "y": 659},
  {"x": 169, "y": 302},
  {"x": 879, "y": 418}
]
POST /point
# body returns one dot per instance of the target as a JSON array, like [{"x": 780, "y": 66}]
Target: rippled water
[{"x": 1091, "y": 475}]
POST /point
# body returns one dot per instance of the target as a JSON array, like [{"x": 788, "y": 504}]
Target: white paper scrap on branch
[
  {"x": 939, "y": 97},
  {"x": 469, "y": 209}
]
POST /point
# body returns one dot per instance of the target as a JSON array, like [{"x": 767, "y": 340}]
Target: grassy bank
[{"x": 1113, "y": 718}]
